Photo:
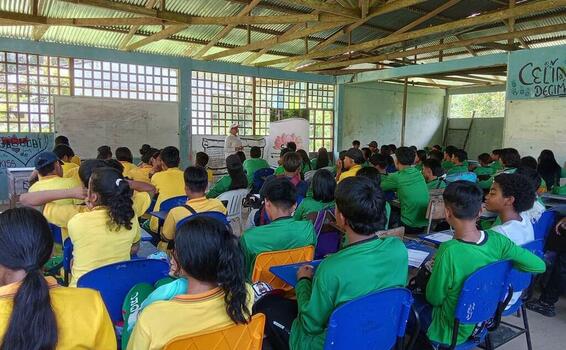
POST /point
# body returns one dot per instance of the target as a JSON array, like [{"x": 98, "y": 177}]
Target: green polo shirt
[
  {"x": 496, "y": 165},
  {"x": 378, "y": 264},
  {"x": 456, "y": 169},
  {"x": 281, "y": 234},
  {"x": 223, "y": 185},
  {"x": 454, "y": 262},
  {"x": 563, "y": 172},
  {"x": 279, "y": 170},
  {"x": 484, "y": 170},
  {"x": 306, "y": 167},
  {"x": 412, "y": 193},
  {"x": 252, "y": 165},
  {"x": 447, "y": 165},
  {"x": 436, "y": 184},
  {"x": 310, "y": 205}
]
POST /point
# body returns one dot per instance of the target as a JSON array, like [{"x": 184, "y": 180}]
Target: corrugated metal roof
[{"x": 195, "y": 36}]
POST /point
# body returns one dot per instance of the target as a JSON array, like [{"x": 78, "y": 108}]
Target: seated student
[
  {"x": 485, "y": 169},
  {"x": 280, "y": 170},
  {"x": 242, "y": 156},
  {"x": 235, "y": 179},
  {"x": 411, "y": 190},
  {"x": 458, "y": 258},
  {"x": 125, "y": 157},
  {"x": 322, "y": 159},
  {"x": 510, "y": 159},
  {"x": 549, "y": 169},
  {"x": 50, "y": 172},
  {"x": 496, "y": 160},
  {"x": 421, "y": 157},
  {"x": 254, "y": 163},
  {"x": 141, "y": 173},
  {"x": 373, "y": 147},
  {"x": 323, "y": 186},
  {"x": 367, "y": 153},
  {"x": 459, "y": 162},
  {"x": 340, "y": 164},
  {"x": 168, "y": 181},
  {"x": 292, "y": 171},
  {"x": 306, "y": 166},
  {"x": 196, "y": 182},
  {"x": 379, "y": 162},
  {"x": 434, "y": 154},
  {"x": 356, "y": 144},
  {"x": 531, "y": 164},
  {"x": 284, "y": 232},
  {"x": 35, "y": 312},
  {"x": 292, "y": 146},
  {"x": 65, "y": 154},
  {"x": 372, "y": 174},
  {"x": 436, "y": 148},
  {"x": 63, "y": 140},
  {"x": 201, "y": 159},
  {"x": 353, "y": 160},
  {"x": 432, "y": 170},
  {"x": 379, "y": 263},
  {"x": 207, "y": 254},
  {"x": 447, "y": 160},
  {"x": 109, "y": 232},
  {"x": 104, "y": 152},
  {"x": 509, "y": 197}
]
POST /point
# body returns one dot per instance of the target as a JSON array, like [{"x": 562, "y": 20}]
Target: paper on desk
[
  {"x": 441, "y": 236},
  {"x": 417, "y": 257}
]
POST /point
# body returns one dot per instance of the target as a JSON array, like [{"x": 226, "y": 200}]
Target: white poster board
[
  {"x": 91, "y": 122},
  {"x": 537, "y": 124},
  {"x": 283, "y": 131}
]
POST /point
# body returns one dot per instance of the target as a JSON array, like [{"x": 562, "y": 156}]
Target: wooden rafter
[
  {"x": 163, "y": 34},
  {"x": 126, "y": 40},
  {"x": 327, "y": 7},
  {"x": 225, "y": 31},
  {"x": 487, "y": 18},
  {"x": 364, "y": 7},
  {"x": 38, "y": 31},
  {"x": 435, "y": 48},
  {"x": 268, "y": 43},
  {"x": 467, "y": 47}
]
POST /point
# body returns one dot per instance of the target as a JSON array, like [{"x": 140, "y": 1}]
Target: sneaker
[{"x": 541, "y": 307}]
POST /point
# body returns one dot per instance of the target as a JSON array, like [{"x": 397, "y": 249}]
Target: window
[
  {"x": 218, "y": 100},
  {"x": 27, "y": 86},
  {"x": 321, "y": 115},
  {"x": 121, "y": 80},
  {"x": 485, "y": 105}
]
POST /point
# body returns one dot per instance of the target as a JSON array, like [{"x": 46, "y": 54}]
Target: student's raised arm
[
  {"x": 33, "y": 199},
  {"x": 141, "y": 186},
  {"x": 389, "y": 182},
  {"x": 522, "y": 259}
]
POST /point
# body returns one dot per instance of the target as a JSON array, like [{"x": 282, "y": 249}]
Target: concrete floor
[{"x": 547, "y": 333}]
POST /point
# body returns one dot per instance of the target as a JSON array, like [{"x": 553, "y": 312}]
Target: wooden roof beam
[
  {"x": 487, "y": 18},
  {"x": 163, "y": 34},
  {"x": 327, "y": 7},
  {"x": 126, "y": 40},
  {"x": 435, "y": 48}
]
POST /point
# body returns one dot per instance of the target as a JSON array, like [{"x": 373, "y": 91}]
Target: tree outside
[{"x": 486, "y": 105}]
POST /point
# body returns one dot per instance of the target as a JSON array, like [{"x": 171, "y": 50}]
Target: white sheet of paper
[
  {"x": 440, "y": 237},
  {"x": 417, "y": 257}
]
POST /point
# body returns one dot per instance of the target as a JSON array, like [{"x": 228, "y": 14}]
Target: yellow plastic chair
[
  {"x": 281, "y": 257},
  {"x": 233, "y": 337}
]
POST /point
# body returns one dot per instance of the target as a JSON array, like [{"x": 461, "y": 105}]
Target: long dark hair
[
  {"x": 236, "y": 172},
  {"x": 323, "y": 186},
  {"x": 207, "y": 250},
  {"x": 115, "y": 193},
  {"x": 548, "y": 168},
  {"x": 26, "y": 244},
  {"x": 322, "y": 159},
  {"x": 305, "y": 158}
]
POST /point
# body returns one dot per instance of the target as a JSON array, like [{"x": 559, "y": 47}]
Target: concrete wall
[
  {"x": 485, "y": 136},
  {"x": 373, "y": 111}
]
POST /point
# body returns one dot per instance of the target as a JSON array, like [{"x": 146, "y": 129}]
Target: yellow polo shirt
[
  {"x": 140, "y": 174},
  {"x": 68, "y": 167},
  {"x": 127, "y": 167},
  {"x": 162, "y": 321},
  {"x": 96, "y": 244},
  {"x": 169, "y": 183},
  {"x": 82, "y": 319},
  {"x": 210, "y": 175},
  {"x": 179, "y": 213},
  {"x": 76, "y": 159},
  {"x": 350, "y": 172}
]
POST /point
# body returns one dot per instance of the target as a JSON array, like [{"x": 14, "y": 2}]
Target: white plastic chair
[
  {"x": 234, "y": 206},
  {"x": 309, "y": 175}
]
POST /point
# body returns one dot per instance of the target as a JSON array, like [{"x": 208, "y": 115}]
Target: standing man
[{"x": 232, "y": 144}]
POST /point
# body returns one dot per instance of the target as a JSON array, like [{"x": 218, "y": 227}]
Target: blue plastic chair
[
  {"x": 481, "y": 300},
  {"x": 544, "y": 224},
  {"x": 259, "y": 178},
  {"x": 114, "y": 281},
  {"x": 67, "y": 258},
  {"x": 211, "y": 214},
  {"x": 173, "y": 202},
  {"x": 376, "y": 321},
  {"x": 56, "y": 233},
  {"x": 464, "y": 176}
]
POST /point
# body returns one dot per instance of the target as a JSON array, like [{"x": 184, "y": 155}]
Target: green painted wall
[{"x": 373, "y": 111}]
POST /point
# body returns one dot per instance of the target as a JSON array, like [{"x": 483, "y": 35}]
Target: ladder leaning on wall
[{"x": 467, "y": 130}]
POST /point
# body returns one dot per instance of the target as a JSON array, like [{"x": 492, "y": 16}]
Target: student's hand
[
  {"x": 561, "y": 227},
  {"x": 305, "y": 271}
]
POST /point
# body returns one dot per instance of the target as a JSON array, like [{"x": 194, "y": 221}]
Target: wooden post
[{"x": 404, "y": 115}]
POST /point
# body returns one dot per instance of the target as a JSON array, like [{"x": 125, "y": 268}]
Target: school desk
[
  {"x": 437, "y": 238},
  {"x": 162, "y": 215},
  {"x": 288, "y": 273}
]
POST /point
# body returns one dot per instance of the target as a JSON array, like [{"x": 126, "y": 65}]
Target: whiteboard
[
  {"x": 536, "y": 124},
  {"x": 91, "y": 122}
]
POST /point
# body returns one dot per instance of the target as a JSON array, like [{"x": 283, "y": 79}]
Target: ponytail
[
  {"x": 207, "y": 250},
  {"x": 26, "y": 244},
  {"x": 114, "y": 193},
  {"x": 236, "y": 172}
]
